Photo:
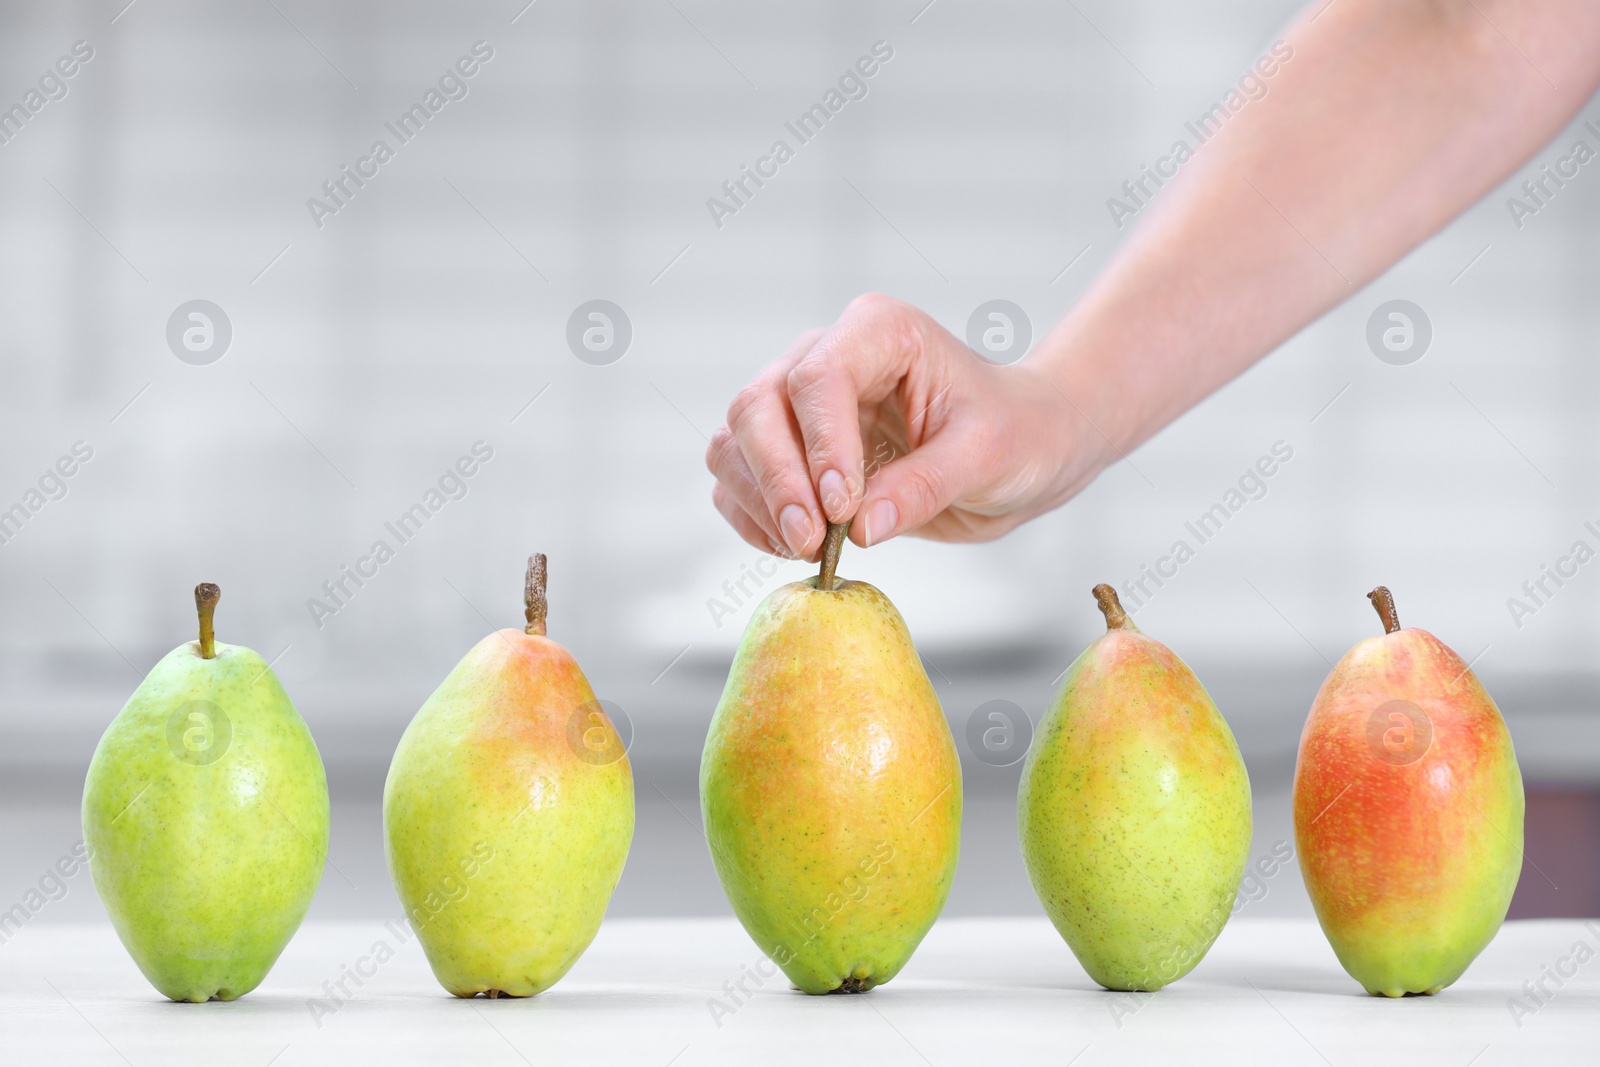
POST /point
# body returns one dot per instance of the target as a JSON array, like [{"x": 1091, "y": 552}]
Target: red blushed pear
[
  {"x": 1407, "y": 811},
  {"x": 508, "y": 813}
]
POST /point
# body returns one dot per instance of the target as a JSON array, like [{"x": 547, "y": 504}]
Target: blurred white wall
[{"x": 367, "y": 355}]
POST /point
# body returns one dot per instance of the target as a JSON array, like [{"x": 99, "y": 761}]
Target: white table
[{"x": 978, "y": 991}]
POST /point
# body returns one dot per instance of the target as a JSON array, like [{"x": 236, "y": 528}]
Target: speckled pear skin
[
  {"x": 1134, "y": 813},
  {"x": 830, "y": 788},
  {"x": 207, "y": 868},
  {"x": 1411, "y": 860},
  {"x": 504, "y": 842}
]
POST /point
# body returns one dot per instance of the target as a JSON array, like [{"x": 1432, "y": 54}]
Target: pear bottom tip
[
  {"x": 1133, "y": 987},
  {"x": 853, "y": 984},
  {"x": 489, "y": 992},
  {"x": 203, "y": 996}
]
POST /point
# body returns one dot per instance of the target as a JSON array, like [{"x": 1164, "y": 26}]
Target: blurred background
[{"x": 349, "y": 354}]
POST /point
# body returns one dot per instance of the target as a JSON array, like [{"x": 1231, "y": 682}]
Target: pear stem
[
  {"x": 533, "y": 595},
  {"x": 832, "y": 545},
  {"x": 1383, "y": 600},
  {"x": 1111, "y": 608},
  {"x": 206, "y": 595}
]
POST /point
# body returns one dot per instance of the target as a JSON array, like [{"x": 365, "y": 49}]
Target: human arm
[{"x": 1389, "y": 121}]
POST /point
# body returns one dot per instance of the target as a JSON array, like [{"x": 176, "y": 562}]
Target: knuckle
[
  {"x": 808, "y": 374},
  {"x": 746, "y": 401},
  {"x": 874, "y": 306},
  {"x": 823, "y": 450},
  {"x": 808, "y": 340},
  {"x": 716, "y": 451},
  {"x": 890, "y": 324},
  {"x": 922, "y": 490},
  {"x": 773, "y": 484}
]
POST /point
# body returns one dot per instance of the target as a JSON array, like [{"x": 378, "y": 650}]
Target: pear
[
  {"x": 830, "y": 785},
  {"x": 1408, "y": 811},
  {"x": 205, "y": 814},
  {"x": 508, "y": 813},
  {"x": 1134, "y": 810}
]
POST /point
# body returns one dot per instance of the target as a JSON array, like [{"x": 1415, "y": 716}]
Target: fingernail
[
  {"x": 880, "y": 519},
  {"x": 835, "y": 495},
  {"x": 796, "y": 527}
]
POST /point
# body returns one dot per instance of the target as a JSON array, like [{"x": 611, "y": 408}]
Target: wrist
[{"x": 1065, "y": 433}]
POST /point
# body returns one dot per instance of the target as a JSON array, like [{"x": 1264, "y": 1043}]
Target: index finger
[
  {"x": 864, "y": 354},
  {"x": 762, "y": 446}
]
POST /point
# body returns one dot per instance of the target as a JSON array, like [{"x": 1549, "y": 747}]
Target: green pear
[
  {"x": 508, "y": 813},
  {"x": 1134, "y": 810},
  {"x": 206, "y": 817},
  {"x": 830, "y": 786}
]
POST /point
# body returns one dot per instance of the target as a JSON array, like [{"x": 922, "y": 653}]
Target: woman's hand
[
  {"x": 1383, "y": 122},
  {"x": 888, "y": 420}
]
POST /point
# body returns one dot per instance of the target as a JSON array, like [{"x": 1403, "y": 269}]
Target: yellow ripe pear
[
  {"x": 508, "y": 813},
  {"x": 830, "y": 785}
]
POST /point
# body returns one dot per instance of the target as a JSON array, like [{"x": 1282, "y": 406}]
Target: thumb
[{"x": 908, "y": 492}]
